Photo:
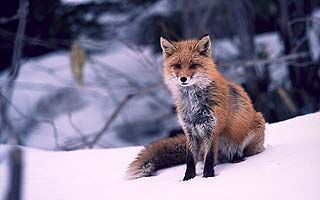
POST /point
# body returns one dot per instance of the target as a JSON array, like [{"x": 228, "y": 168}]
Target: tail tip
[{"x": 136, "y": 170}]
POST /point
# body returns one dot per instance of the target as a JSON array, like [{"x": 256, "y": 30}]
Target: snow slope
[{"x": 287, "y": 169}]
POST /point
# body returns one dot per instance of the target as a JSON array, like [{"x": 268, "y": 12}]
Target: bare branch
[
  {"x": 82, "y": 135},
  {"x": 118, "y": 110},
  {"x": 4, "y": 20},
  {"x": 47, "y": 121},
  {"x": 249, "y": 63},
  {"x": 16, "y": 156},
  {"x": 23, "y": 11},
  {"x": 130, "y": 81}
]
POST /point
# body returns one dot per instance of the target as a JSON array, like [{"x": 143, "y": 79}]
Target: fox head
[{"x": 187, "y": 63}]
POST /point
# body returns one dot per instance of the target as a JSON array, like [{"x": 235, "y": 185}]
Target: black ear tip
[{"x": 205, "y": 35}]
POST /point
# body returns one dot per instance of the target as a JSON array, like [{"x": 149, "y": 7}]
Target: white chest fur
[{"x": 196, "y": 116}]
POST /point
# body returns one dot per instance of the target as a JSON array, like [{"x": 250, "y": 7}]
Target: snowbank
[{"x": 287, "y": 169}]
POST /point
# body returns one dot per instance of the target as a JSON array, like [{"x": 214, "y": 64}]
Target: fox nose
[{"x": 183, "y": 79}]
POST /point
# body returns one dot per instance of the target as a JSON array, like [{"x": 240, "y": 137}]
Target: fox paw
[
  {"x": 237, "y": 158},
  {"x": 209, "y": 173},
  {"x": 189, "y": 176}
]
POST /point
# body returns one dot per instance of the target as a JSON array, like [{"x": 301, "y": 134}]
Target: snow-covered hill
[{"x": 289, "y": 168}]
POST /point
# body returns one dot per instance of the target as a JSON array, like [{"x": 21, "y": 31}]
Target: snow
[
  {"x": 287, "y": 169},
  {"x": 48, "y": 75},
  {"x": 76, "y": 1}
]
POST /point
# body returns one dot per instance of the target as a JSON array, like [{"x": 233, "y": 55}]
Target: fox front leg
[
  {"x": 192, "y": 154},
  {"x": 209, "y": 162},
  {"x": 211, "y": 150}
]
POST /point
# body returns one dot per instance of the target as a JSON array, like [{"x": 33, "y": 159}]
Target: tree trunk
[
  {"x": 293, "y": 24},
  {"x": 195, "y": 17},
  {"x": 242, "y": 24}
]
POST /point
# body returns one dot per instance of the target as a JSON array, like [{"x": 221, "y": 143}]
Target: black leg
[
  {"x": 191, "y": 167},
  {"x": 208, "y": 170},
  {"x": 237, "y": 158}
]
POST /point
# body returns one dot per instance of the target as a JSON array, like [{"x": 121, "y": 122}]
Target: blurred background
[{"x": 88, "y": 74}]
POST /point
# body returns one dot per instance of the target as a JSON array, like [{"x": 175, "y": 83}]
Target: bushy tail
[{"x": 161, "y": 154}]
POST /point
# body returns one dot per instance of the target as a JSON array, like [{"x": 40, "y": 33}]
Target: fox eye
[
  {"x": 177, "y": 66},
  {"x": 194, "y": 66}
]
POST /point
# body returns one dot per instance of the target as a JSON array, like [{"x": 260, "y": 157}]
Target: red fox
[{"x": 217, "y": 116}]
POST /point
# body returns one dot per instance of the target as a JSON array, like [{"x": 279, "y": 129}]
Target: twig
[
  {"x": 112, "y": 118},
  {"x": 4, "y": 20},
  {"x": 249, "y": 63},
  {"x": 146, "y": 62},
  {"x": 117, "y": 111},
  {"x": 130, "y": 81},
  {"x": 23, "y": 11},
  {"x": 47, "y": 121},
  {"x": 82, "y": 135},
  {"x": 25, "y": 85},
  {"x": 16, "y": 155}
]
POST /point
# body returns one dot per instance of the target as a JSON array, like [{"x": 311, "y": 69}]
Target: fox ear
[
  {"x": 204, "y": 45},
  {"x": 167, "y": 47}
]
